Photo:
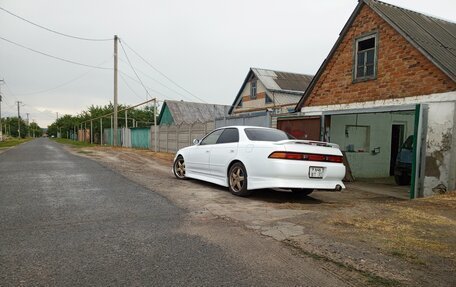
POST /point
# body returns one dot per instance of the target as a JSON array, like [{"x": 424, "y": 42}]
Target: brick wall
[{"x": 402, "y": 71}]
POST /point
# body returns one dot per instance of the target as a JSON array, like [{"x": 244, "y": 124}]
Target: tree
[
  {"x": 12, "y": 127},
  {"x": 66, "y": 124},
  {"x": 35, "y": 130}
]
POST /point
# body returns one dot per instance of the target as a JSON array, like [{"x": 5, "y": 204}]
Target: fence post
[
  {"x": 101, "y": 131},
  {"x": 91, "y": 132},
  {"x": 177, "y": 137},
  {"x": 112, "y": 133},
  {"x": 190, "y": 134},
  {"x": 167, "y": 129}
]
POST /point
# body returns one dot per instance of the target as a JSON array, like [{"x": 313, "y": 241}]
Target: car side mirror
[{"x": 196, "y": 141}]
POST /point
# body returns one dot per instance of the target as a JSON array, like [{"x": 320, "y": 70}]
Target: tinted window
[
  {"x": 212, "y": 137},
  {"x": 268, "y": 135},
  {"x": 229, "y": 136}
]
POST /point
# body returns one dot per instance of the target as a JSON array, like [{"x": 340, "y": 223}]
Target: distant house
[
  {"x": 267, "y": 89},
  {"x": 180, "y": 112},
  {"x": 391, "y": 74}
]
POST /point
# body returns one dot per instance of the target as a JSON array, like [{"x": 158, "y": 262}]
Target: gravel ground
[{"x": 368, "y": 238}]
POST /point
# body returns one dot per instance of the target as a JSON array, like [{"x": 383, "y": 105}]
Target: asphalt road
[{"x": 66, "y": 220}]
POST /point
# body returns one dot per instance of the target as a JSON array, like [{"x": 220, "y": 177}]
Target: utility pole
[
  {"x": 112, "y": 133},
  {"x": 58, "y": 134},
  {"x": 19, "y": 118},
  {"x": 155, "y": 124},
  {"x": 1, "y": 131},
  {"x": 101, "y": 131},
  {"x": 28, "y": 125},
  {"x": 115, "y": 91}
]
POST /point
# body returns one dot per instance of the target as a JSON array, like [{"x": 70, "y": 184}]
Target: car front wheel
[
  {"x": 179, "y": 167},
  {"x": 237, "y": 180}
]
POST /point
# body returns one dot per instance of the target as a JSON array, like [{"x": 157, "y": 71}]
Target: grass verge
[
  {"x": 12, "y": 142},
  {"x": 73, "y": 143}
]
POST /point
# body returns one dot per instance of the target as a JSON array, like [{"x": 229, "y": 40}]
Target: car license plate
[{"x": 316, "y": 172}]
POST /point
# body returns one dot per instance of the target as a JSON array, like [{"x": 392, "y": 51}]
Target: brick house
[{"x": 390, "y": 74}]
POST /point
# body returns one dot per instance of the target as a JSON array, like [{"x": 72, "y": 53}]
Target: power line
[
  {"x": 55, "y": 57},
  {"x": 160, "y": 83},
  {"x": 158, "y": 71},
  {"x": 135, "y": 80},
  {"x": 53, "y": 31},
  {"x": 61, "y": 85},
  {"x": 129, "y": 87},
  {"x": 131, "y": 66}
]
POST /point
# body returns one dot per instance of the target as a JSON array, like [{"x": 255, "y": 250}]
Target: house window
[
  {"x": 240, "y": 103},
  {"x": 365, "y": 57},
  {"x": 253, "y": 89},
  {"x": 267, "y": 99}
]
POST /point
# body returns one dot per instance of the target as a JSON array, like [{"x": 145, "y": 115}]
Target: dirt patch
[{"x": 388, "y": 241}]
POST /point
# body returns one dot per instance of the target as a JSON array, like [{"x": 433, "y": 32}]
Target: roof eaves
[
  {"x": 409, "y": 38},
  {"x": 240, "y": 91},
  {"x": 287, "y": 92},
  {"x": 333, "y": 50},
  {"x": 161, "y": 112}
]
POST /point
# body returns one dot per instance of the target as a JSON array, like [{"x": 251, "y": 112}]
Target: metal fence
[
  {"x": 171, "y": 138},
  {"x": 140, "y": 138}
]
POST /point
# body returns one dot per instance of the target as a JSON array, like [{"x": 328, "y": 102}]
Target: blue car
[{"x": 403, "y": 166}]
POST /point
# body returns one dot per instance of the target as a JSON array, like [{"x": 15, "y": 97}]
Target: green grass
[
  {"x": 372, "y": 280},
  {"x": 73, "y": 143},
  {"x": 12, "y": 142}
]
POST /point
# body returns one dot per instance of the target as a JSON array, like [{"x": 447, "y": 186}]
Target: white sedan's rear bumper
[{"x": 295, "y": 174}]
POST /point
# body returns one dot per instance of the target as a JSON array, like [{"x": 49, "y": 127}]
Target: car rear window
[{"x": 267, "y": 135}]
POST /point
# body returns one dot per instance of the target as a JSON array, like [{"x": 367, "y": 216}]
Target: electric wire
[
  {"x": 129, "y": 87},
  {"x": 160, "y": 83},
  {"x": 158, "y": 71},
  {"x": 61, "y": 85},
  {"x": 135, "y": 80},
  {"x": 54, "y": 57},
  {"x": 54, "y": 31},
  {"x": 131, "y": 66}
]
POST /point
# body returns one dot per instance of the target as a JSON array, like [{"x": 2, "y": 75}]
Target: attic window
[
  {"x": 253, "y": 89},
  {"x": 267, "y": 100},
  {"x": 366, "y": 57},
  {"x": 240, "y": 103}
]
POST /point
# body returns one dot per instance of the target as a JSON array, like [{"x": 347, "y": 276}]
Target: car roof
[{"x": 245, "y": 127}]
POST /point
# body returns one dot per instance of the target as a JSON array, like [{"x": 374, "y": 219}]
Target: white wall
[
  {"x": 365, "y": 164},
  {"x": 440, "y": 170}
]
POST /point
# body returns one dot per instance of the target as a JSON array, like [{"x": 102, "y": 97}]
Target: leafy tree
[
  {"x": 12, "y": 129},
  {"x": 67, "y": 124}
]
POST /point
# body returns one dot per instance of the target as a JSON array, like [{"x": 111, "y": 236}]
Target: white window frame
[
  {"x": 355, "y": 57},
  {"x": 253, "y": 89}
]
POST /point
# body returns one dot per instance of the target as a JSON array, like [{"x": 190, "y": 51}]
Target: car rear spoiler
[{"x": 315, "y": 143}]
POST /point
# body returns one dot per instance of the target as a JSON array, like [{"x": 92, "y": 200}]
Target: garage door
[{"x": 301, "y": 128}]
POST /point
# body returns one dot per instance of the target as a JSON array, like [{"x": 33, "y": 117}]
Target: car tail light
[{"x": 306, "y": 156}]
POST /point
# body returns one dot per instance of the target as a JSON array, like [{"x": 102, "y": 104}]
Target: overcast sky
[{"x": 206, "y": 46}]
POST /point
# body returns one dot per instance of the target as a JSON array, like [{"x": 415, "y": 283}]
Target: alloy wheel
[
  {"x": 179, "y": 168},
  {"x": 237, "y": 179}
]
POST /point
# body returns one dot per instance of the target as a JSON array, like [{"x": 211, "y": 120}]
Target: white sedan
[{"x": 245, "y": 158}]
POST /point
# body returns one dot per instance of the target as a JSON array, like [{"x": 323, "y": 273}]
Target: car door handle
[
  {"x": 208, "y": 151},
  {"x": 231, "y": 150}
]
